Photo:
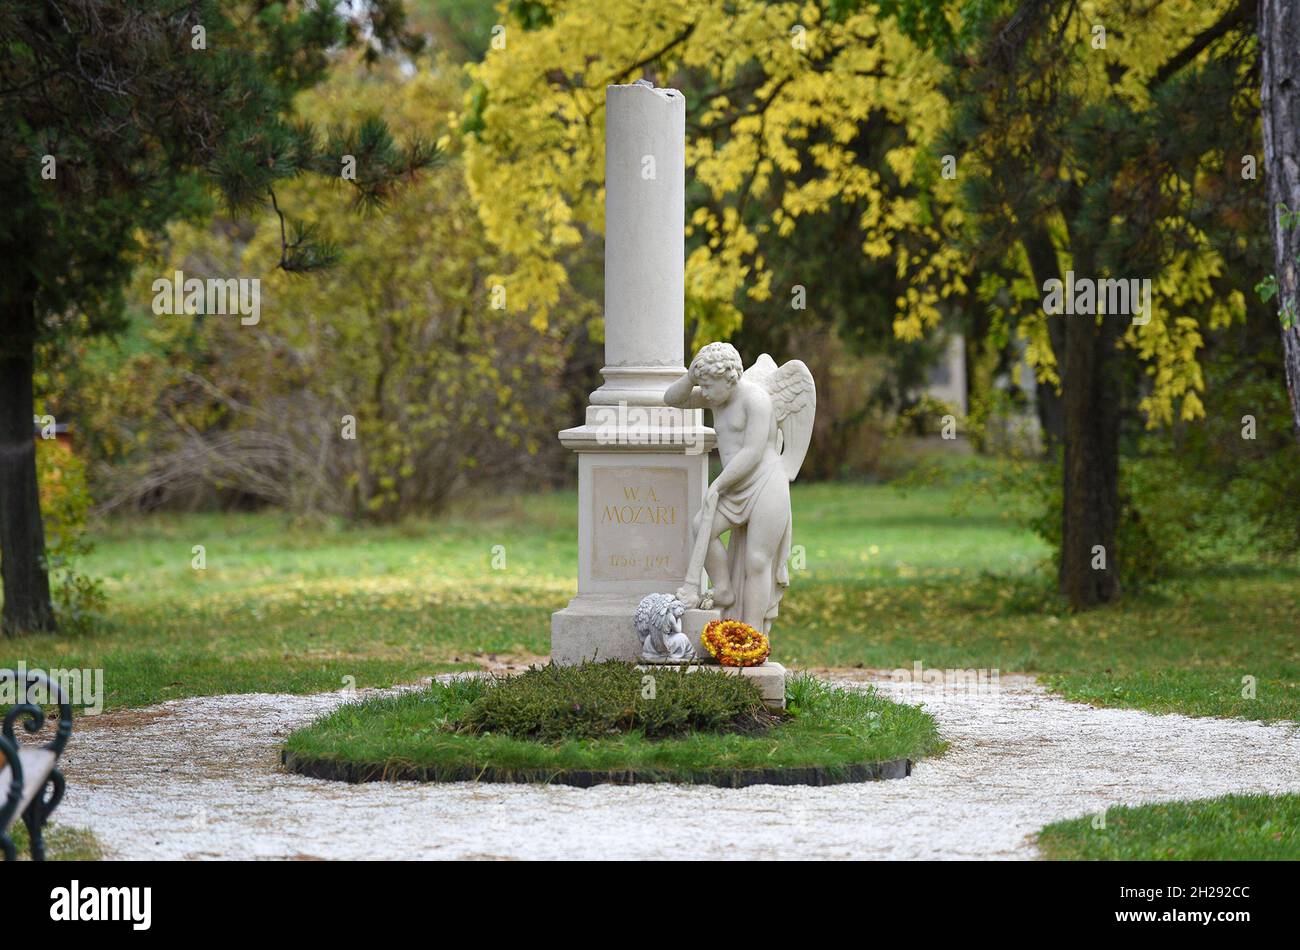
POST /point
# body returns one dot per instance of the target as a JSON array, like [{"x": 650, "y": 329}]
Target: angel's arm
[{"x": 682, "y": 394}]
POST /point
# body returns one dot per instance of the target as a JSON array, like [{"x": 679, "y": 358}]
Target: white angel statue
[{"x": 764, "y": 421}]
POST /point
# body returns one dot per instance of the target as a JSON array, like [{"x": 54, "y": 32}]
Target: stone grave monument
[{"x": 647, "y": 518}]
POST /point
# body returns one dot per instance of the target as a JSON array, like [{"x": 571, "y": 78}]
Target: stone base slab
[
  {"x": 769, "y": 677},
  {"x": 599, "y": 626},
  {"x": 693, "y": 624},
  {"x": 595, "y": 627}
]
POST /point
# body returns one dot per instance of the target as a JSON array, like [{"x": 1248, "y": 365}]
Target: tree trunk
[
  {"x": 1279, "y": 43},
  {"x": 1089, "y": 572},
  {"x": 1045, "y": 266},
  {"x": 22, "y": 535}
]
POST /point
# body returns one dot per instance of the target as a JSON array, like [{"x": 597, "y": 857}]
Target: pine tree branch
[{"x": 1238, "y": 16}]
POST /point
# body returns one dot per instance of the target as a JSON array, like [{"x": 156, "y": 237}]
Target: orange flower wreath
[{"x": 734, "y": 643}]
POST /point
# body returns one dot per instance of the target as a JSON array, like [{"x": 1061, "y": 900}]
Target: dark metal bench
[{"x": 31, "y": 785}]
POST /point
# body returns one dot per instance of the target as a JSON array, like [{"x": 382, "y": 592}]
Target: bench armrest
[
  {"x": 31, "y": 691},
  {"x": 30, "y": 708},
  {"x": 13, "y": 795}
]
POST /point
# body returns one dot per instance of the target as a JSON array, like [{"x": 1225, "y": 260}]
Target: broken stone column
[{"x": 642, "y": 466}]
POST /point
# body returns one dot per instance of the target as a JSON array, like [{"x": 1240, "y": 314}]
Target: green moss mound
[
  {"x": 491, "y": 730},
  {"x": 593, "y": 700}
]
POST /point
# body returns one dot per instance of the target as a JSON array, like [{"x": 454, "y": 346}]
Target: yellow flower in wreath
[{"x": 734, "y": 643}]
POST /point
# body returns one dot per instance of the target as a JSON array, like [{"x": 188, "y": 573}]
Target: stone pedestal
[
  {"x": 642, "y": 466},
  {"x": 693, "y": 624}
]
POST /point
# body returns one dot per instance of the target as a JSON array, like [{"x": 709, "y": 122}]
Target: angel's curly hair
[{"x": 717, "y": 361}]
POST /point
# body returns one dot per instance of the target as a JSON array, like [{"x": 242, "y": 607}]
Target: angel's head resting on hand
[{"x": 716, "y": 369}]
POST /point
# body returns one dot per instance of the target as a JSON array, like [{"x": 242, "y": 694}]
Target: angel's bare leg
[
  {"x": 763, "y": 538},
  {"x": 715, "y": 562}
]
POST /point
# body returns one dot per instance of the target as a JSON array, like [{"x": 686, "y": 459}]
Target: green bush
[
  {"x": 550, "y": 703},
  {"x": 1216, "y": 492},
  {"x": 1176, "y": 513},
  {"x": 1204, "y": 502},
  {"x": 65, "y": 504}
]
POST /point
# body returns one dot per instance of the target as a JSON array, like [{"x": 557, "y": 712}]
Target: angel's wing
[
  {"x": 762, "y": 371},
  {"x": 794, "y": 397}
]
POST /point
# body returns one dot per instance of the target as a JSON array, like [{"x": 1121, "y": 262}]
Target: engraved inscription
[{"x": 640, "y": 524}]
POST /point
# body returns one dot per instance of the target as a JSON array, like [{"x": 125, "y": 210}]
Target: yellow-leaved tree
[
  {"x": 1022, "y": 142},
  {"x": 373, "y": 388},
  {"x": 778, "y": 99}
]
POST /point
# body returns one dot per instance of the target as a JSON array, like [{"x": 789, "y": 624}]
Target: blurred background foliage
[{"x": 374, "y": 388}]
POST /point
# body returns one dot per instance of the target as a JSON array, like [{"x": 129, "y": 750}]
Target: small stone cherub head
[{"x": 716, "y": 370}]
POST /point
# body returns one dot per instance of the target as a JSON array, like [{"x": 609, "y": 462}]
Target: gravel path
[{"x": 199, "y": 778}]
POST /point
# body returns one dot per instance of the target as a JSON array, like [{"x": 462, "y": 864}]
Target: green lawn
[
  {"x": 1234, "y": 827},
  {"x": 889, "y": 578},
  {"x": 61, "y": 843},
  {"x": 826, "y": 727}
]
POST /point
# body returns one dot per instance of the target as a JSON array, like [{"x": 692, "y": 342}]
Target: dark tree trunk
[
  {"x": 1279, "y": 44},
  {"x": 22, "y": 535},
  {"x": 1089, "y": 573},
  {"x": 1045, "y": 266},
  {"x": 1091, "y": 396}
]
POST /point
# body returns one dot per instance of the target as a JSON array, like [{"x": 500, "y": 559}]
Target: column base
[
  {"x": 693, "y": 624},
  {"x": 599, "y": 627},
  {"x": 595, "y": 627}
]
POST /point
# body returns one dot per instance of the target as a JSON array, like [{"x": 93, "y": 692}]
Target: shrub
[
  {"x": 1184, "y": 508},
  {"x": 551, "y": 703},
  {"x": 65, "y": 503},
  {"x": 384, "y": 385}
]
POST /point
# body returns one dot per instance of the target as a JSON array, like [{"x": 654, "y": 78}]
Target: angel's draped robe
[{"x": 737, "y": 504}]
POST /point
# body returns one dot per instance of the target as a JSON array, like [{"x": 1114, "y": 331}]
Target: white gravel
[{"x": 200, "y": 778}]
